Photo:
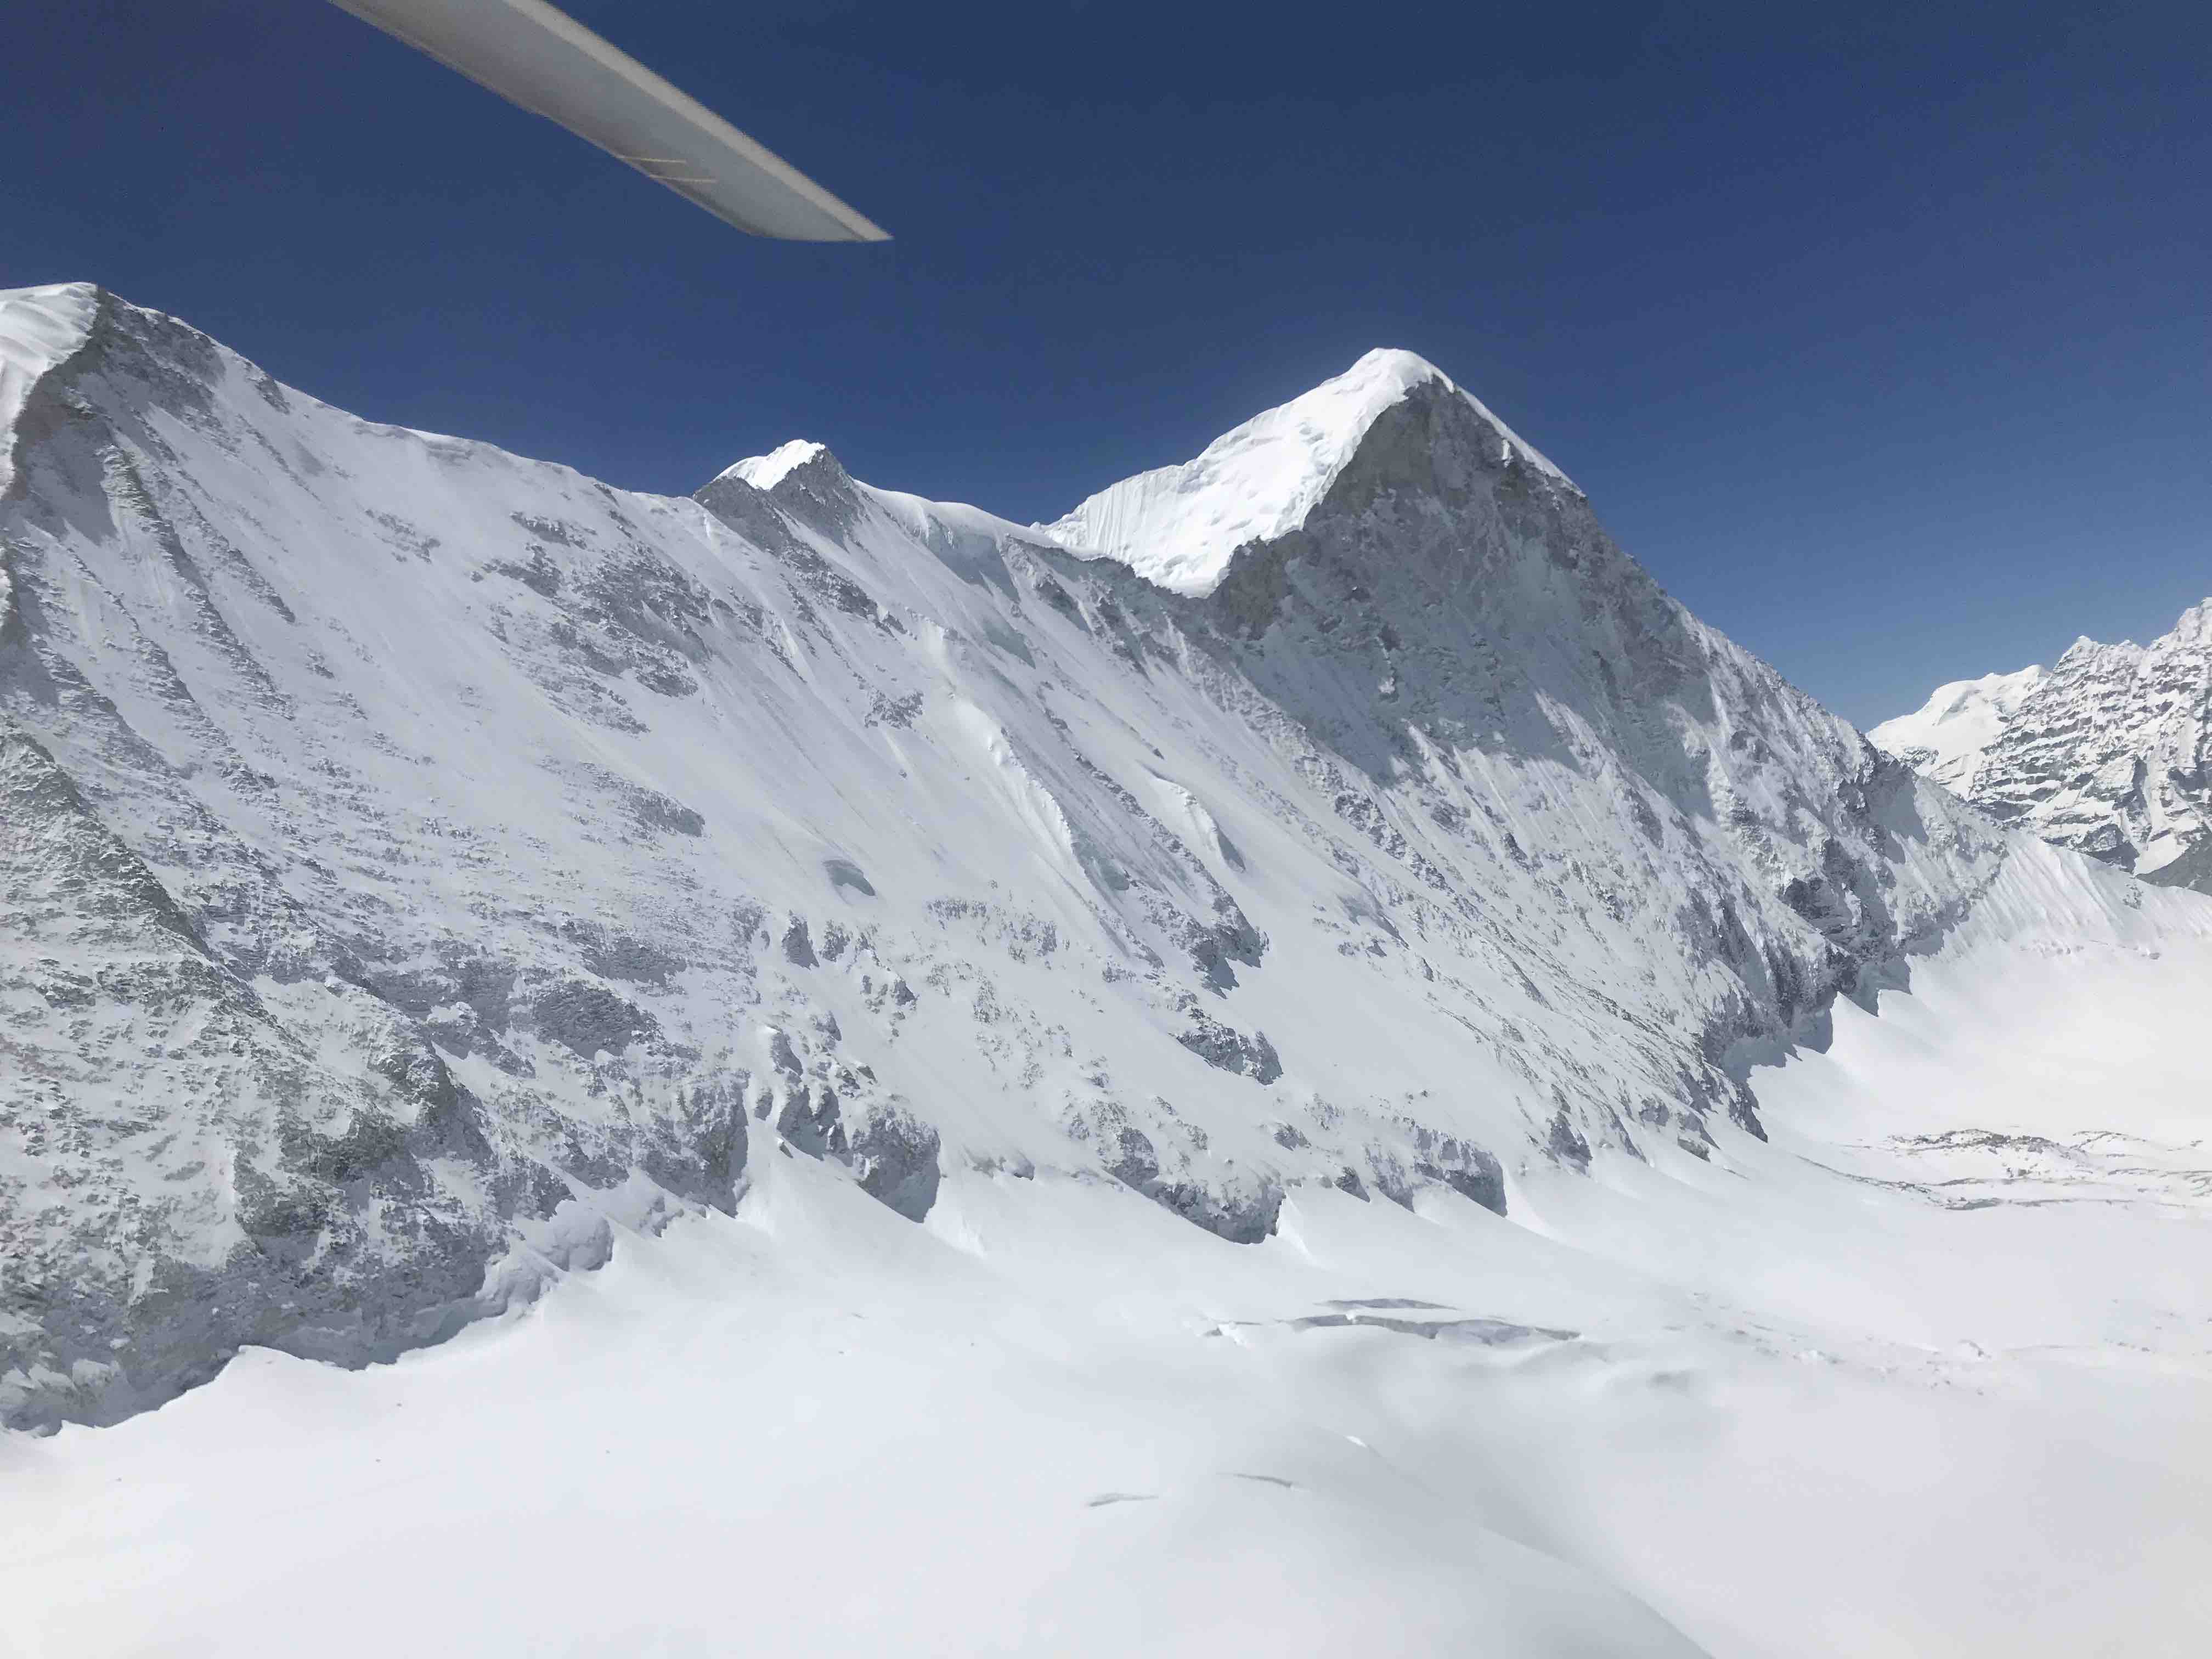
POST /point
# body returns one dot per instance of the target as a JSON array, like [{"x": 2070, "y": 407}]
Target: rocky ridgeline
[
  {"x": 423, "y": 862},
  {"x": 2108, "y": 751}
]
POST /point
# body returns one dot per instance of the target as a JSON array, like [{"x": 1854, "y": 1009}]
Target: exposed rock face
[
  {"x": 2106, "y": 752},
  {"x": 421, "y": 860}
]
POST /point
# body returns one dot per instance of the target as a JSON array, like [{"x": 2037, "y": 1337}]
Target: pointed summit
[
  {"x": 767, "y": 472},
  {"x": 800, "y": 479},
  {"x": 791, "y": 473},
  {"x": 1177, "y": 526}
]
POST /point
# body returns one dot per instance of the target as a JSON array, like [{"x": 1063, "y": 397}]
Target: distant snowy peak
[
  {"x": 1178, "y": 526},
  {"x": 767, "y": 472},
  {"x": 1947, "y": 736},
  {"x": 2194, "y": 626},
  {"x": 40, "y": 328},
  {"x": 2108, "y": 751}
]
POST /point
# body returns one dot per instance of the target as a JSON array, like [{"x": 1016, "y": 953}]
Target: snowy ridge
[
  {"x": 2106, "y": 751},
  {"x": 1179, "y": 525},
  {"x": 40, "y": 328},
  {"x": 623, "y": 822}
]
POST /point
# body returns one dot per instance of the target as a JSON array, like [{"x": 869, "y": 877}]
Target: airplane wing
[{"x": 551, "y": 65}]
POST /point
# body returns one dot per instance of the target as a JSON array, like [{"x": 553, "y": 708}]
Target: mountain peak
[
  {"x": 1178, "y": 526},
  {"x": 767, "y": 472},
  {"x": 1947, "y": 736}
]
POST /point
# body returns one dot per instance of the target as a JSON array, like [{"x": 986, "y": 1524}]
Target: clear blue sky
[{"x": 1883, "y": 337}]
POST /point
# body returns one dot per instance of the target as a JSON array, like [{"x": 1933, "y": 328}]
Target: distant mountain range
[{"x": 2106, "y": 751}]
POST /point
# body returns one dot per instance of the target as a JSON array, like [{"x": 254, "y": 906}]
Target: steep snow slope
[
  {"x": 431, "y": 871},
  {"x": 39, "y": 328},
  {"x": 2105, "y": 752}
]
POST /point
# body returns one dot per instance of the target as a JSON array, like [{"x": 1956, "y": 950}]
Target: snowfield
[
  {"x": 1299, "y": 1060},
  {"x": 1834, "y": 1404}
]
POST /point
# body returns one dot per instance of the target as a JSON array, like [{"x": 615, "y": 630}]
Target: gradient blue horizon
[{"x": 1882, "y": 339}]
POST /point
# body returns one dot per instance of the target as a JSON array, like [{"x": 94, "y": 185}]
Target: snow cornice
[{"x": 40, "y": 329}]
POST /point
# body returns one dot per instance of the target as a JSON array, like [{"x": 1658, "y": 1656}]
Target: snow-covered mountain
[
  {"x": 1181, "y": 526},
  {"x": 2105, "y": 751},
  {"x": 1271, "y": 984},
  {"x": 1948, "y": 736}
]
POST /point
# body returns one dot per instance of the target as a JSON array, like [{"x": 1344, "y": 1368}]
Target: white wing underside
[{"x": 546, "y": 62}]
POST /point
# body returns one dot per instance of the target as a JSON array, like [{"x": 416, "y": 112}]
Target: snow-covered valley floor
[{"x": 1883, "y": 1390}]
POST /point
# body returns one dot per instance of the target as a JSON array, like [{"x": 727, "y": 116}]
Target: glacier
[{"x": 1300, "y": 1052}]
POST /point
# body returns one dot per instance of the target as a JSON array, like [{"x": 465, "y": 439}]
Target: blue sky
[{"x": 1881, "y": 336}]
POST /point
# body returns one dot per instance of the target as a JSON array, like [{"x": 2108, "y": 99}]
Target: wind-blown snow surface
[
  {"x": 2107, "y": 751},
  {"x": 1108, "y": 1118}
]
